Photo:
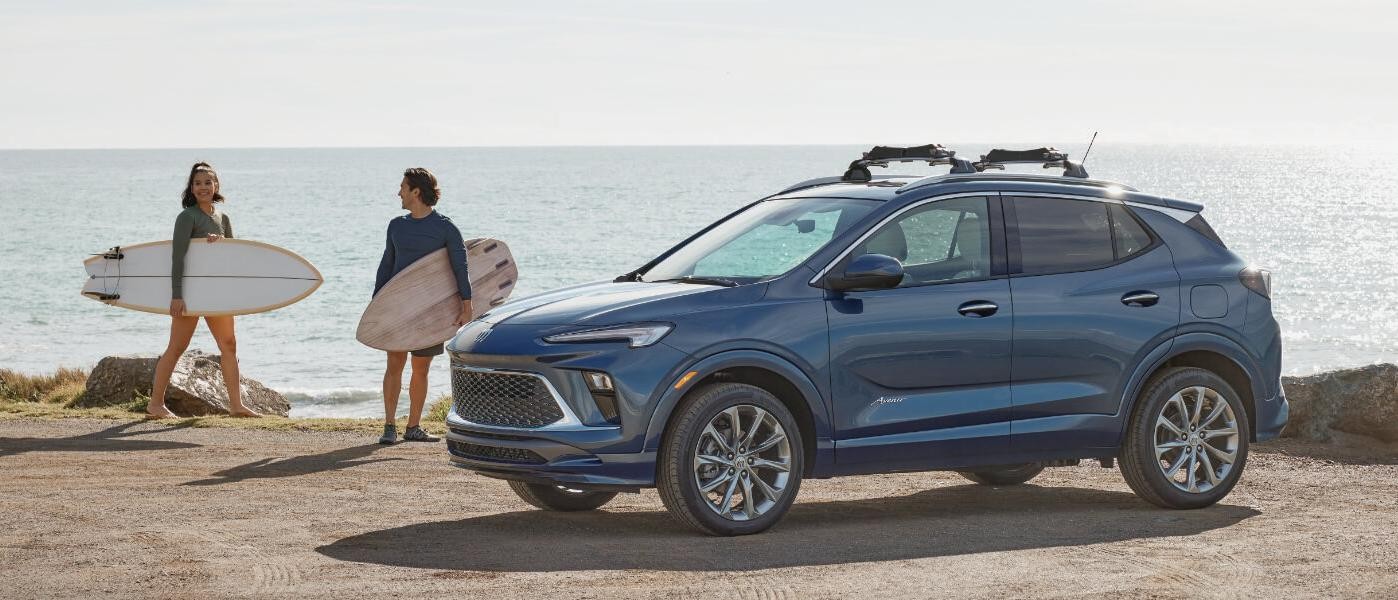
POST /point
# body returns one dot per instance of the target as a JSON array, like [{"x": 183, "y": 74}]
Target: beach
[{"x": 131, "y": 509}]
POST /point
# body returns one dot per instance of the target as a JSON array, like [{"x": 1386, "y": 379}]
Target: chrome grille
[{"x": 503, "y": 399}]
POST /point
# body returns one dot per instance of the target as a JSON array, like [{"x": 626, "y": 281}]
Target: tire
[
  {"x": 560, "y": 498},
  {"x": 1220, "y": 446},
  {"x": 701, "y": 426},
  {"x": 1011, "y": 475}
]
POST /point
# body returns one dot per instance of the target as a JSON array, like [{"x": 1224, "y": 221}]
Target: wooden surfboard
[
  {"x": 227, "y": 277},
  {"x": 419, "y": 306}
]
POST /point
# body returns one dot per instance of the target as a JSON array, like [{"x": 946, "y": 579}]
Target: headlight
[{"x": 637, "y": 335}]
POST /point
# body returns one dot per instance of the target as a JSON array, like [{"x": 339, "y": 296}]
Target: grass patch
[
  {"x": 437, "y": 411},
  {"x": 62, "y": 386},
  {"x": 134, "y": 412},
  {"x": 66, "y": 394},
  {"x": 53, "y": 396}
]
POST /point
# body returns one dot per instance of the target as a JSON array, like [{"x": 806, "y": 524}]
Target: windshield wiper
[{"x": 700, "y": 280}]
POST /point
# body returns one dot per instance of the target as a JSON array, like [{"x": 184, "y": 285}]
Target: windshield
[{"x": 766, "y": 240}]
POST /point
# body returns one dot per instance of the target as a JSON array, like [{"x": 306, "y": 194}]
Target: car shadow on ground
[
  {"x": 294, "y": 466},
  {"x": 945, "y": 521},
  {"x": 112, "y": 439}
]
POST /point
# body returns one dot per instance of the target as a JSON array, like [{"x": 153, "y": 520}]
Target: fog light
[
  {"x": 598, "y": 381},
  {"x": 603, "y": 393}
]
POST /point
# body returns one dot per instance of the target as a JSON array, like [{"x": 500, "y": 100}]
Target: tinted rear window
[
  {"x": 1198, "y": 224},
  {"x": 1057, "y": 235},
  {"x": 1131, "y": 237}
]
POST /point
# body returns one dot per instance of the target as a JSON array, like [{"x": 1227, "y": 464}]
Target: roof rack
[
  {"x": 1049, "y": 157},
  {"x": 881, "y": 156}
]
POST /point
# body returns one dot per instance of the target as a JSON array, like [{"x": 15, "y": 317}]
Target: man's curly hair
[{"x": 425, "y": 182}]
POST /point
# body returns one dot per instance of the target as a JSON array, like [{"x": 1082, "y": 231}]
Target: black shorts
[{"x": 430, "y": 350}]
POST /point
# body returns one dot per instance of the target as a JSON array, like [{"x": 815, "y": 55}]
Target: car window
[
  {"x": 770, "y": 248},
  {"x": 1130, "y": 236},
  {"x": 1058, "y": 235},
  {"x": 766, "y": 239},
  {"x": 942, "y": 241}
]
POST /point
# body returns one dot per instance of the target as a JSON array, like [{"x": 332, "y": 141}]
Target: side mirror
[{"x": 868, "y": 272}]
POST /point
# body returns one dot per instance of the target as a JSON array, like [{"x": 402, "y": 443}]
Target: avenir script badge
[{"x": 887, "y": 400}]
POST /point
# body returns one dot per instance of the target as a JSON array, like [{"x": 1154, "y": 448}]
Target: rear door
[
  {"x": 921, "y": 372},
  {"x": 1093, "y": 291}
]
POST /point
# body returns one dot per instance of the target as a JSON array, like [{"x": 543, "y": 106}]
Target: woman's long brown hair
[{"x": 188, "y": 199}]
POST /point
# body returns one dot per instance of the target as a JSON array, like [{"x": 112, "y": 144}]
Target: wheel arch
[
  {"x": 770, "y": 372},
  {"x": 1211, "y": 352}
]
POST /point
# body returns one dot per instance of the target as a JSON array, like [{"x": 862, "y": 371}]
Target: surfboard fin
[
  {"x": 113, "y": 254},
  {"x": 101, "y": 296}
]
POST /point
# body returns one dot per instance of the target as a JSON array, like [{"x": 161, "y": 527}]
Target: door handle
[
  {"x": 978, "y": 308},
  {"x": 1140, "y": 298}
]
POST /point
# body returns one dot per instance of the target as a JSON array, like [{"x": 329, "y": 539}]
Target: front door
[{"x": 920, "y": 373}]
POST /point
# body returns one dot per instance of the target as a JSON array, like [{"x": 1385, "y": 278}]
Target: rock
[
  {"x": 196, "y": 386},
  {"x": 1361, "y": 401},
  {"x": 118, "y": 380}
]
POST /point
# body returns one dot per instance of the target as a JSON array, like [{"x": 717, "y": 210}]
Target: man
[{"x": 410, "y": 237}]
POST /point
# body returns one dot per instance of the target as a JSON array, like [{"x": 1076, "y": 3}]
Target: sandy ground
[{"x": 121, "y": 510}]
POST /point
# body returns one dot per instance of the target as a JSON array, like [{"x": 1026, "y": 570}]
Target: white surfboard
[{"x": 227, "y": 277}]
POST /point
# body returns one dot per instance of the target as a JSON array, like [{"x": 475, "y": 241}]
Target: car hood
[{"x": 608, "y": 302}]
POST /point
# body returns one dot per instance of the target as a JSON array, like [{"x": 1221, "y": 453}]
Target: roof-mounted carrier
[
  {"x": 1049, "y": 157},
  {"x": 882, "y": 156}
]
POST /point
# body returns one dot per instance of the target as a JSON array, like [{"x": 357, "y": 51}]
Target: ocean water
[{"x": 1323, "y": 220}]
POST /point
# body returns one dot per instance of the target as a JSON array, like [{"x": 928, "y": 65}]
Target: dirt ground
[{"x": 124, "y": 510}]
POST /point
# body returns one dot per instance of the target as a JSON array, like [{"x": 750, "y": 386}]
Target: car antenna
[{"x": 1089, "y": 149}]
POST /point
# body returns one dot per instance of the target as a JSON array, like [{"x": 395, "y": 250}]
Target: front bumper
[
  {"x": 540, "y": 460},
  {"x": 585, "y": 449}
]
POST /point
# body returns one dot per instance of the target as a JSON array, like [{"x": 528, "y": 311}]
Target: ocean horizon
[{"x": 574, "y": 214}]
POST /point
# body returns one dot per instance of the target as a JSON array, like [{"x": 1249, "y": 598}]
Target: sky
[{"x": 351, "y": 73}]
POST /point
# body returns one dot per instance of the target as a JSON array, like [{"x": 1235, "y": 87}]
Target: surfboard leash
[{"x": 114, "y": 254}]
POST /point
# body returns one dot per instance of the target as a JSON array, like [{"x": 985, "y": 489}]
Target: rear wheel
[
  {"x": 1010, "y": 475},
  {"x": 560, "y": 498},
  {"x": 1188, "y": 440},
  {"x": 731, "y": 461}
]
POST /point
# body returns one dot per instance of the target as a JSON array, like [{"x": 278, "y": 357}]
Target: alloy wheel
[
  {"x": 1196, "y": 439},
  {"x": 742, "y": 462}
]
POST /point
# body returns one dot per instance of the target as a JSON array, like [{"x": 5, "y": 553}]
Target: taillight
[{"x": 1257, "y": 280}]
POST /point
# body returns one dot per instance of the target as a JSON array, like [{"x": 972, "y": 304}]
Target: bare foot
[
  {"x": 243, "y": 412},
  {"x": 160, "y": 412}
]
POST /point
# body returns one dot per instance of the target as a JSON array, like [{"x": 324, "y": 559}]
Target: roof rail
[
  {"x": 1049, "y": 157},
  {"x": 819, "y": 181},
  {"x": 881, "y": 156},
  {"x": 1025, "y": 177}
]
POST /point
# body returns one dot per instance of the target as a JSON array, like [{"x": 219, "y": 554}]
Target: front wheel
[
  {"x": 560, "y": 498},
  {"x": 731, "y": 461},
  {"x": 1188, "y": 440}
]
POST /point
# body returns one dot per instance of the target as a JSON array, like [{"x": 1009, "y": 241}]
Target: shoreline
[
  {"x": 54, "y": 396},
  {"x": 1332, "y": 404}
]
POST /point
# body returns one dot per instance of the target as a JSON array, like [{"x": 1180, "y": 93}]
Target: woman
[{"x": 199, "y": 219}]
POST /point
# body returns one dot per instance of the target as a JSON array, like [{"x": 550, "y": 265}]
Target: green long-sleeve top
[{"x": 192, "y": 223}]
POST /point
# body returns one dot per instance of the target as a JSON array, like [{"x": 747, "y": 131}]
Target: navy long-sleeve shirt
[{"x": 411, "y": 239}]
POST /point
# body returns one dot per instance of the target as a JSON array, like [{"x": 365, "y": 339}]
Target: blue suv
[{"x": 992, "y": 324}]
